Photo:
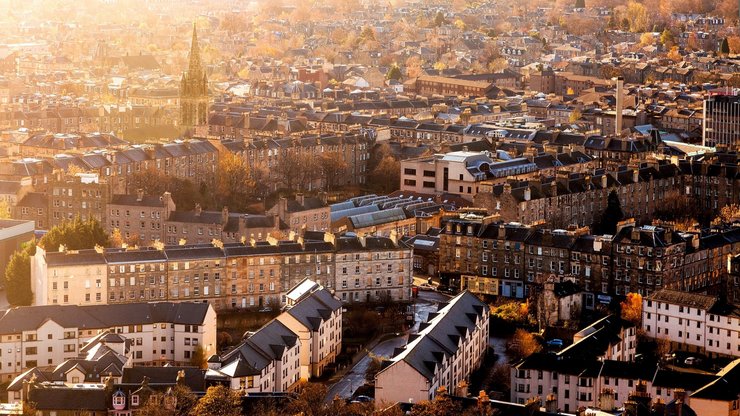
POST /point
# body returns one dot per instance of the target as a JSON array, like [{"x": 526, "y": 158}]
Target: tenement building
[
  {"x": 236, "y": 275},
  {"x": 491, "y": 257},
  {"x": 692, "y": 322}
]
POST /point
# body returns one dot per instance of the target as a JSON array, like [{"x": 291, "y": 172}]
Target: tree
[
  {"x": 734, "y": 43},
  {"x": 153, "y": 407},
  {"x": 637, "y": 17},
  {"x": 198, "y": 358},
  {"x": 612, "y": 214},
  {"x": 116, "y": 239},
  {"x": 367, "y": 35},
  {"x": 4, "y": 210},
  {"x": 631, "y": 308},
  {"x": 233, "y": 23},
  {"x": 18, "y": 276},
  {"x": 376, "y": 364},
  {"x": 724, "y": 49},
  {"x": 386, "y": 176},
  {"x": 674, "y": 54},
  {"x": 394, "y": 72},
  {"x": 580, "y": 4},
  {"x": 223, "y": 340},
  {"x": 692, "y": 42},
  {"x": 77, "y": 234},
  {"x": 442, "y": 405},
  {"x": 523, "y": 344},
  {"x": 186, "y": 400},
  {"x": 484, "y": 402},
  {"x": 498, "y": 65},
  {"x": 727, "y": 215},
  {"x": 647, "y": 39},
  {"x": 667, "y": 39},
  {"x": 310, "y": 401},
  {"x": 333, "y": 168},
  {"x": 218, "y": 401},
  {"x": 234, "y": 184},
  {"x": 575, "y": 115}
]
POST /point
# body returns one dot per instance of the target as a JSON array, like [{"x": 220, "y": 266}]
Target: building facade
[
  {"x": 159, "y": 333},
  {"x": 448, "y": 347}
]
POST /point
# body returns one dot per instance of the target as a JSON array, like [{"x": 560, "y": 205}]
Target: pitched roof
[
  {"x": 439, "y": 336},
  {"x": 29, "y": 318}
]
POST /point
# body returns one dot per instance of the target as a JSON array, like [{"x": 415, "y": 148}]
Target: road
[{"x": 426, "y": 303}]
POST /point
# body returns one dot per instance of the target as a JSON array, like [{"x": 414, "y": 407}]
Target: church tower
[{"x": 194, "y": 90}]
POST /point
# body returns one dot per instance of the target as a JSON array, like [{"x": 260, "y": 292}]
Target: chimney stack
[{"x": 620, "y": 105}]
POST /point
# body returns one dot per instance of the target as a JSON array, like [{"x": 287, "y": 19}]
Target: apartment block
[
  {"x": 489, "y": 257},
  {"x": 267, "y": 361},
  {"x": 316, "y": 317},
  {"x": 692, "y": 322},
  {"x": 372, "y": 268},
  {"x": 447, "y": 348},
  {"x": 159, "y": 333}
]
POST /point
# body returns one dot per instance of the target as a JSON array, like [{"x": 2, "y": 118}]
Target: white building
[
  {"x": 458, "y": 172},
  {"x": 159, "y": 333},
  {"x": 267, "y": 361},
  {"x": 372, "y": 269},
  {"x": 692, "y": 322},
  {"x": 448, "y": 347},
  {"x": 317, "y": 320}
]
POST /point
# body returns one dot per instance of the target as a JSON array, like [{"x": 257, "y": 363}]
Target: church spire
[{"x": 195, "y": 65}]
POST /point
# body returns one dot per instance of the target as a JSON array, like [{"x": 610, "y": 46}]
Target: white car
[
  {"x": 691, "y": 361},
  {"x": 427, "y": 286}
]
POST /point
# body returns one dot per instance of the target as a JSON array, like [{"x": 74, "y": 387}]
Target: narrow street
[{"x": 426, "y": 303}]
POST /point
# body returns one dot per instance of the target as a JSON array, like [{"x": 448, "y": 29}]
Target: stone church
[{"x": 194, "y": 90}]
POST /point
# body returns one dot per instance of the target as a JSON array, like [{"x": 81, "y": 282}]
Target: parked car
[
  {"x": 555, "y": 343},
  {"x": 362, "y": 399},
  {"x": 427, "y": 286},
  {"x": 669, "y": 357},
  {"x": 692, "y": 360}
]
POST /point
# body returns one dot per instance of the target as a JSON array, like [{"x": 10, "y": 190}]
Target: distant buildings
[
  {"x": 303, "y": 213},
  {"x": 459, "y": 172}
]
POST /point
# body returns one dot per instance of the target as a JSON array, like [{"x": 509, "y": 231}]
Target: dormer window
[{"x": 119, "y": 400}]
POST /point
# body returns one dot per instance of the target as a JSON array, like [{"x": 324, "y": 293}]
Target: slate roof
[
  {"x": 439, "y": 336},
  {"x": 692, "y": 300},
  {"x": 265, "y": 345},
  {"x": 315, "y": 309},
  {"x": 73, "y": 399},
  {"x": 725, "y": 388},
  {"x": 29, "y": 318}
]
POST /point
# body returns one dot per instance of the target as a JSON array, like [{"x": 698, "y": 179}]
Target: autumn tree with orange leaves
[{"x": 632, "y": 308}]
